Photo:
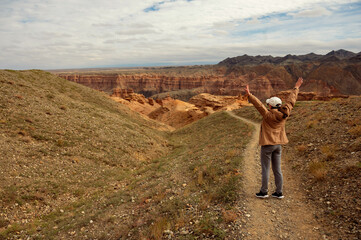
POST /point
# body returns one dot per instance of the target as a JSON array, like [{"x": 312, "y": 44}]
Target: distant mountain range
[
  {"x": 334, "y": 74},
  {"x": 333, "y": 56}
]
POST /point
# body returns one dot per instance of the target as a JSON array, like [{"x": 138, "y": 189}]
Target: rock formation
[
  {"x": 336, "y": 73},
  {"x": 174, "y": 112},
  {"x": 210, "y": 103}
]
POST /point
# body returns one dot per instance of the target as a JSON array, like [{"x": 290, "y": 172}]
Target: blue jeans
[{"x": 271, "y": 154}]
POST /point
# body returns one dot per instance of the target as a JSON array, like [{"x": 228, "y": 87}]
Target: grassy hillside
[
  {"x": 77, "y": 165},
  {"x": 325, "y": 152},
  {"x": 63, "y": 143}
]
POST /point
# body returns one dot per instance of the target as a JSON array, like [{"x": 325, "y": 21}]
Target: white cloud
[
  {"x": 86, "y": 33},
  {"x": 316, "y": 12},
  {"x": 253, "y": 21}
]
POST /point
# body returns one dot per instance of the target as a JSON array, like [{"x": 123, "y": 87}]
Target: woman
[{"x": 272, "y": 136}]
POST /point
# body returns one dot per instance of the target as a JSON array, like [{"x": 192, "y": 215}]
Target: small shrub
[
  {"x": 50, "y": 96},
  {"x": 208, "y": 227},
  {"x": 358, "y": 164},
  {"x": 10, "y": 194},
  {"x": 62, "y": 143},
  {"x": 19, "y": 97},
  {"x": 26, "y": 139},
  {"x": 4, "y": 223},
  {"x": 205, "y": 202},
  {"x": 356, "y": 130},
  {"x": 200, "y": 179},
  {"x": 28, "y": 120},
  {"x": 227, "y": 191},
  {"x": 32, "y": 197},
  {"x": 329, "y": 151},
  {"x": 63, "y": 108},
  {"x": 75, "y": 159},
  {"x": 356, "y": 145},
  {"x": 159, "y": 197},
  {"x": 354, "y": 122},
  {"x": 181, "y": 220},
  {"x": 231, "y": 153},
  {"x": 156, "y": 230},
  {"x": 172, "y": 207},
  {"x": 318, "y": 170},
  {"x": 15, "y": 228},
  {"x": 22, "y": 133},
  {"x": 301, "y": 148},
  {"x": 229, "y": 216},
  {"x": 39, "y": 137},
  {"x": 79, "y": 192},
  {"x": 312, "y": 124}
]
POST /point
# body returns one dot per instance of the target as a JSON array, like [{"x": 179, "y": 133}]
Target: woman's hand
[
  {"x": 247, "y": 90},
  {"x": 299, "y": 82}
]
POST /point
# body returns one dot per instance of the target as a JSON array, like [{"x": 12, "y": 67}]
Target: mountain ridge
[{"x": 245, "y": 59}]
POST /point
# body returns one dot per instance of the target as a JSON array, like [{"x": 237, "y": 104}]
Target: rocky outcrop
[
  {"x": 211, "y": 103},
  {"x": 174, "y": 112}
]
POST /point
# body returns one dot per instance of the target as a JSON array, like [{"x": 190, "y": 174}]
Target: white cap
[{"x": 274, "y": 102}]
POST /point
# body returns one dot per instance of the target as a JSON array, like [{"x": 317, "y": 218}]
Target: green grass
[
  {"x": 250, "y": 113},
  {"x": 199, "y": 159}
]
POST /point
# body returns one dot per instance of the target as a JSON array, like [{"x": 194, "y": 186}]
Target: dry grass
[
  {"x": 312, "y": 124},
  {"x": 329, "y": 151},
  {"x": 181, "y": 221},
  {"x": 354, "y": 122},
  {"x": 355, "y": 131},
  {"x": 335, "y": 151},
  {"x": 356, "y": 145},
  {"x": 229, "y": 215},
  {"x": 208, "y": 227},
  {"x": 157, "y": 229},
  {"x": 318, "y": 170},
  {"x": 231, "y": 153},
  {"x": 200, "y": 178},
  {"x": 301, "y": 148}
]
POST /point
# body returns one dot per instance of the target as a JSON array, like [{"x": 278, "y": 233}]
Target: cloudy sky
[{"x": 53, "y": 34}]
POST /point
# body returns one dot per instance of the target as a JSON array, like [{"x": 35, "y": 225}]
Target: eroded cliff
[{"x": 337, "y": 73}]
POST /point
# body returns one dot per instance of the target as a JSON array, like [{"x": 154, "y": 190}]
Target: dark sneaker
[
  {"x": 261, "y": 195},
  {"x": 277, "y": 195}
]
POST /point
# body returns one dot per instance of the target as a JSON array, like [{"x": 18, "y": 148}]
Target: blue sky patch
[{"x": 154, "y": 7}]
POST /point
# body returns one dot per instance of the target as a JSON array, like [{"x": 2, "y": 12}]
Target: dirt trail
[{"x": 271, "y": 218}]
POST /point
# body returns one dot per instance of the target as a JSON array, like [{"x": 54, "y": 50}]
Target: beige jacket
[{"x": 273, "y": 130}]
